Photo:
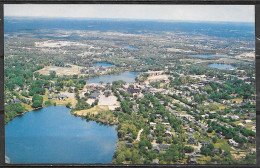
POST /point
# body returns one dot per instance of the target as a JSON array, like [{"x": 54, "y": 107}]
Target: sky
[{"x": 226, "y": 13}]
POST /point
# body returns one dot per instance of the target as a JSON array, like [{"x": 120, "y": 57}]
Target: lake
[
  {"x": 103, "y": 64},
  {"x": 131, "y": 48},
  {"x": 222, "y": 66},
  {"x": 53, "y": 135},
  {"x": 128, "y": 77},
  {"x": 210, "y": 56}
]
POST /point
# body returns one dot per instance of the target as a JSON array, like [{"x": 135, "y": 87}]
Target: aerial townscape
[{"x": 179, "y": 94}]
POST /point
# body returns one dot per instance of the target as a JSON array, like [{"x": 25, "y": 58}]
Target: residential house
[
  {"x": 62, "y": 97},
  {"x": 152, "y": 124},
  {"x": 164, "y": 146},
  {"x": 150, "y": 137},
  {"x": 94, "y": 95},
  {"x": 155, "y": 161},
  {"x": 156, "y": 149},
  {"x": 232, "y": 142},
  {"x": 248, "y": 121},
  {"x": 129, "y": 145},
  {"x": 50, "y": 96}
]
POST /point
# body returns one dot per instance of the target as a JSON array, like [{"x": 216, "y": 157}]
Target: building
[
  {"x": 150, "y": 137},
  {"x": 94, "y": 95},
  {"x": 164, "y": 146},
  {"x": 107, "y": 93},
  {"x": 155, "y": 161},
  {"x": 133, "y": 90},
  {"x": 50, "y": 96},
  {"x": 247, "y": 121},
  {"x": 232, "y": 142},
  {"x": 241, "y": 125},
  {"x": 152, "y": 124},
  {"x": 234, "y": 117},
  {"x": 156, "y": 149},
  {"x": 62, "y": 97}
]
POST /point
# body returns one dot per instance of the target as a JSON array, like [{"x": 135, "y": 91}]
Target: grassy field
[
  {"x": 95, "y": 110},
  {"x": 204, "y": 159},
  {"x": 221, "y": 106},
  {"x": 27, "y": 107},
  {"x": 238, "y": 100},
  {"x": 60, "y": 71},
  {"x": 98, "y": 113},
  {"x": 223, "y": 143}
]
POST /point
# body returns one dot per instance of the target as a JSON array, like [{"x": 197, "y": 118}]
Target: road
[{"x": 139, "y": 134}]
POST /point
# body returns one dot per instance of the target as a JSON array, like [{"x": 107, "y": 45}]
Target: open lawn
[
  {"x": 221, "y": 106},
  {"x": 238, "y": 100},
  {"x": 223, "y": 143},
  {"x": 27, "y": 107},
  {"x": 63, "y": 102},
  {"x": 95, "y": 110},
  {"x": 60, "y": 71}
]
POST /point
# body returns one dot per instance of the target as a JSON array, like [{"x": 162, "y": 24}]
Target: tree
[
  {"x": 68, "y": 105},
  {"x": 214, "y": 140},
  {"x": 120, "y": 158},
  {"x": 172, "y": 154},
  {"x": 47, "y": 103},
  {"x": 188, "y": 149},
  {"x": 220, "y": 150},
  {"x": 229, "y": 135},
  {"x": 128, "y": 155},
  {"x": 160, "y": 130},
  {"x": 52, "y": 74},
  {"x": 210, "y": 130},
  {"x": 211, "y": 146},
  {"x": 206, "y": 151},
  {"x": 159, "y": 139},
  {"x": 37, "y": 101}
]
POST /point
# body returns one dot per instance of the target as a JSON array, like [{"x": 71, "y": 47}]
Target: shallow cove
[{"x": 53, "y": 135}]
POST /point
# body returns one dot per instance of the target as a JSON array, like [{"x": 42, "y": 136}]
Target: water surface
[
  {"x": 131, "y": 48},
  {"x": 222, "y": 66},
  {"x": 53, "y": 135},
  {"x": 103, "y": 64},
  {"x": 128, "y": 77},
  {"x": 210, "y": 56}
]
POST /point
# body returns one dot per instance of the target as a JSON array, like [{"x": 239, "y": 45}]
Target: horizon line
[{"x": 122, "y": 19}]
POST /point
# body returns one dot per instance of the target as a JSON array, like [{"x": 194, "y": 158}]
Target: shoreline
[
  {"x": 21, "y": 114},
  {"x": 34, "y": 109},
  {"x": 84, "y": 117}
]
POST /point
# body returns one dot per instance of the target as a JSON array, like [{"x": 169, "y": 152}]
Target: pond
[
  {"x": 103, "y": 64},
  {"x": 128, "y": 77},
  {"x": 131, "y": 48},
  {"x": 222, "y": 66},
  {"x": 53, "y": 135},
  {"x": 210, "y": 56}
]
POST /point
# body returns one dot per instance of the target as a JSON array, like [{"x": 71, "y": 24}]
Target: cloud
[{"x": 233, "y": 13}]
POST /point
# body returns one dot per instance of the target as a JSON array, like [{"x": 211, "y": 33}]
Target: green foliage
[
  {"x": 188, "y": 149},
  {"x": 206, "y": 151},
  {"x": 48, "y": 103},
  {"x": 37, "y": 101},
  {"x": 159, "y": 139},
  {"x": 214, "y": 139},
  {"x": 81, "y": 104},
  {"x": 125, "y": 105},
  {"x": 68, "y": 105},
  {"x": 11, "y": 110},
  {"x": 210, "y": 130},
  {"x": 174, "y": 153}
]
